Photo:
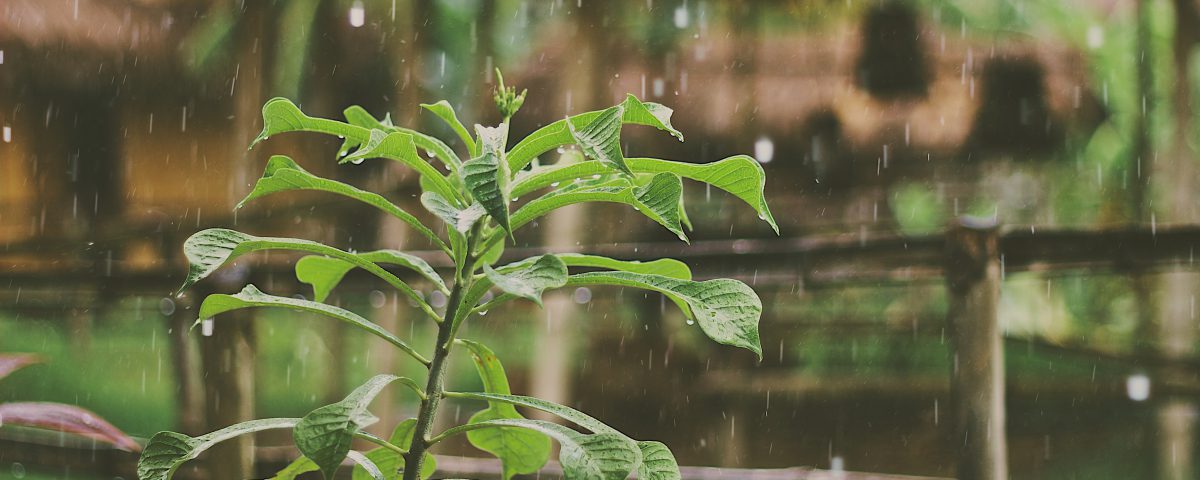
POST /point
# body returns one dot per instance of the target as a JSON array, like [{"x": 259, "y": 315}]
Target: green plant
[{"x": 474, "y": 200}]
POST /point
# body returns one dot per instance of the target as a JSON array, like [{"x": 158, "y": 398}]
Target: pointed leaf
[
  {"x": 67, "y": 419},
  {"x": 283, "y": 174},
  {"x": 459, "y": 220},
  {"x": 400, "y": 146},
  {"x": 520, "y": 451},
  {"x": 658, "y": 200},
  {"x": 324, "y": 273},
  {"x": 601, "y": 139},
  {"x": 446, "y": 112},
  {"x": 280, "y": 115},
  {"x": 530, "y": 281},
  {"x": 166, "y": 451},
  {"x": 324, "y": 435},
  {"x": 598, "y": 456},
  {"x": 366, "y": 466},
  {"x": 486, "y": 176},
  {"x": 252, "y": 297},
  {"x": 739, "y": 175},
  {"x": 356, "y": 115},
  {"x": 658, "y": 463},
  {"x": 565, "y": 412},
  {"x": 667, "y": 267},
  {"x": 11, "y": 362},
  {"x": 727, "y": 310},
  {"x": 558, "y": 133},
  {"x": 208, "y": 250}
]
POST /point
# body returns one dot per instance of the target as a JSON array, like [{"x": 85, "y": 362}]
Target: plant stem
[{"x": 434, "y": 388}]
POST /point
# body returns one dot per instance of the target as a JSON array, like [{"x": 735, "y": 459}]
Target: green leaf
[
  {"x": 601, "y": 139},
  {"x": 727, "y": 310},
  {"x": 486, "y": 176},
  {"x": 400, "y": 146},
  {"x": 528, "y": 282},
  {"x": 365, "y": 465},
  {"x": 520, "y": 451},
  {"x": 280, "y": 115},
  {"x": 356, "y": 115},
  {"x": 208, "y": 250},
  {"x": 459, "y": 220},
  {"x": 298, "y": 466},
  {"x": 558, "y": 133},
  {"x": 565, "y": 412},
  {"x": 598, "y": 456},
  {"x": 739, "y": 175},
  {"x": 324, "y": 273},
  {"x": 325, "y": 434},
  {"x": 167, "y": 451},
  {"x": 667, "y": 267},
  {"x": 283, "y": 174},
  {"x": 392, "y": 463},
  {"x": 251, "y": 297},
  {"x": 658, "y": 463},
  {"x": 445, "y": 112},
  {"x": 658, "y": 200}
]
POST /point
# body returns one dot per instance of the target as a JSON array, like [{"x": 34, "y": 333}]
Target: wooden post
[{"x": 977, "y": 372}]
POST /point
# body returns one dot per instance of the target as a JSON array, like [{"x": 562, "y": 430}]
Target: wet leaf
[
  {"x": 532, "y": 278},
  {"x": 600, "y": 139},
  {"x": 358, "y": 116},
  {"x": 167, "y": 451},
  {"x": 727, "y": 310},
  {"x": 400, "y": 146},
  {"x": 597, "y": 456},
  {"x": 65, "y": 418},
  {"x": 486, "y": 177},
  {"x": 520, "y": 451},
  {"x": 658, "y": 463},
  {"x": 446, "y": 112},
  {"x": 252, "y": 297},
  {"x": 667, "y": 267},
  {"x": 325, "y": 434},
  {"x": 658, "y": 200},
  {"x": 324, "y": 273}
]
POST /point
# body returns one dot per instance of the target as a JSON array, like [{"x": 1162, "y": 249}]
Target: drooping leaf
[
  {"x": 739, "y": 175},
  {"x": 600, "y": 139},
  {"x": 658, "y": 200},
  {"x": 658, "y": 463},
  {"x": 325, "y": 434},
  {"x": 486, "y": 177},
  {"x": 208, "y": 250},
  {"x": 446, "y": 112},
  {"x": 459, "y": 220},
  {"x": 252, "y": 297},
  {"x": 558, "y": 133},
  {"x": 667, "y": 267},
  {"x": 392, "y": 463},
  {"x": 567, "y": 413},
  {"x": 166, "y": 451},
  {"x": 283, "y": 174},
  {"x": 11, "y": 362},
  {"x": 356, "y": 115},
  {"x": 520, "y": 451},
  {"x": 67, "y": 419},
  {"x": 597, "y": 456},
  {"x": 529, "y": 281},
  {"x": 365, "y": 465},
  {"x": 280, "y": 115},
  {"x": 324, "y": 273},
  {"x": 401, "y": 147},
  {"x": 727, "y": 310}
]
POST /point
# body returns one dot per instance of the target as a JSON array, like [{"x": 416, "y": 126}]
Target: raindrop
[
  {"x": 437, "y": 299},
  {"x": 1, "y": 57},
  {"x": 764, "y": 149},
  {"x": 1137, "y": 386},
  {"x": 658, "y": 86},
  {"x": 378, "y": 299},
  {"x": 582, "y": 295},
  {"x": 1095, "y": 37},
  {"x": 358, "y": 14},
  {"x": 166, "y": 306},
  {"x": 7, "y": 134},
  {"x": 681, "y": 16},
  {"x": 206, "y": 327},
  {"x": 18, "y": 470},
  {"x": 837, "y": 464}
]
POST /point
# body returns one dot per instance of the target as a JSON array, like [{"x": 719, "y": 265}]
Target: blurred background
[{"x": 1070, "y": 123}]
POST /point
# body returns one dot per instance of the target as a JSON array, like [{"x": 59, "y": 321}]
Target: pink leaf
[
  {"x": 11, "y": 362},
  {"x": 65, "y": 418}
]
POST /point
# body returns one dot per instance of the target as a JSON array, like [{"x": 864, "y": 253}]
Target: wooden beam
[{"x": 977, "y": 371}]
